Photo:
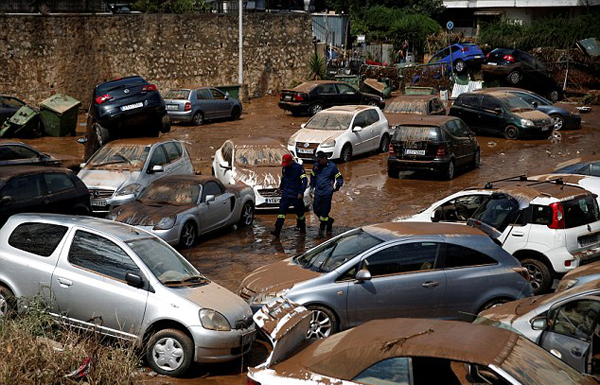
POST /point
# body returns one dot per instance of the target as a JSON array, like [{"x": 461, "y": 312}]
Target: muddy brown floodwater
[{"x": 368, "y": 196}]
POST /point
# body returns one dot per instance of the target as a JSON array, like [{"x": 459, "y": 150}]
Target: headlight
[
  {"x": 566, "y": 284},
  {"x": 527, "y": 123},
  {"x": 213, "y": 320},
  {"x": 265, "y": 298},
  {"x": 165, "y": 223},
  {"x": 132, "y": 188},
  {"x": 111, "y": 216},
  {"x": 330, "y": 142}
]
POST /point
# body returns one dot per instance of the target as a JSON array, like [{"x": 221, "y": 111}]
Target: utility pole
[{"x": 240, "y": 46}]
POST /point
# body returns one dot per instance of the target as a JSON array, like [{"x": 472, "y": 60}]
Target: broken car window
[
  {"x": 329, "y": 121},
  {"x": 37, "y": 238},
  {"x": 259, "y": 156},
  {"x": 498, "y": 211}
]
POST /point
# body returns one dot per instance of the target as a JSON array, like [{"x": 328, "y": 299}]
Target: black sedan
[
  {"x": 314, "y": 96},
  {"x": 8, "y": 106}
]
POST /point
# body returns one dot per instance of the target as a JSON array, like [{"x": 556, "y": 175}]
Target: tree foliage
[
  {"x": 172, "y": 6},
  {"x": 431, "y": 8}
]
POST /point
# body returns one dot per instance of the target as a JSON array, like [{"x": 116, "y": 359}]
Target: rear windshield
[
  {"x": 416, "y": 133},
  {"x": 106, "y": 87},
  {"x": 417, "y": 107},
  {"x": 498, "y": 211},
  {"x": 580, "y": 211},
  {"x": 329, "y": 121},
  {"x": 177, "y": 94},
  {"x": 501, "y": 52}
]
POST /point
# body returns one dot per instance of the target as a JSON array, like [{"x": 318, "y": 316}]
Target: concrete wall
[{"x": 70, "y": 54}]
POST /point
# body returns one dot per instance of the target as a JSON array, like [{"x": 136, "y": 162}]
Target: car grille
[
  {"x": 246, "y": 293},
  {"x": 587, "y": 240},
  {"x": 542, "y": 123},
  {"x": 98, "y": 193},
  {"x": 269, "y": 193},
  {"x": 244, "y": 323}
]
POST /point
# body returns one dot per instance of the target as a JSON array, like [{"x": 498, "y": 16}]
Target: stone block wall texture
[{"x": 41, "y": 56}]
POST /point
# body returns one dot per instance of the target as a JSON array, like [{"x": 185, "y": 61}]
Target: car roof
[
  {"x": 349, "y": 353},
  {"x": 529, "y": 189},
  {"x": 307, "y": 86},
  {"x": 7, "y": 172},
  {"x": 503, "y": 89},
  {"x": 394, "y": 230},
  {"x": 423, "y": 120},
  {"x": 255, "y": 141},
  {"x": 349, "y": 109},
  {"x": 495, "y": 93},
  {"x": 140, "y": 141}
]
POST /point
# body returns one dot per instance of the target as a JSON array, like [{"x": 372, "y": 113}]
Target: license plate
[
  {"x": 305, "y": 151},
  {"x": 132, "y": 106},
  {"x": 172, "y": 107},
  {"x": 287, "y": 97},
  {"x": 273, "y": 201},
  {"x": 409, "y": 151},
  {"x": 492, "y": 64},
  {"x": 588, "y": 240},
  {"x": 98, "y": 202},
  {"x": 248, "y": 338}
]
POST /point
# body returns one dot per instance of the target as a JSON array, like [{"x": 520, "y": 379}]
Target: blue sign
[{"x": 449, "y": 25}]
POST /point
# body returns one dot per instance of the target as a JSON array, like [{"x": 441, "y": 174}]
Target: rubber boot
[
  {"x": 322, "y": 229},
  {"x": 278, "y": 226},
  {"x": 301, "y": 225},
  {"x": 330, "y": 225}
]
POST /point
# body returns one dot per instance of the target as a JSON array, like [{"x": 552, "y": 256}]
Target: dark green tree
[{"x": 172, "y": 6}]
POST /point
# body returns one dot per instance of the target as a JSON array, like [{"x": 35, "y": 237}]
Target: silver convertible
[{"x": 180, "y": 207}]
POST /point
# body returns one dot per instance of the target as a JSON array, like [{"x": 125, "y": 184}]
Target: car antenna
[{"x": 520, "y": 178}]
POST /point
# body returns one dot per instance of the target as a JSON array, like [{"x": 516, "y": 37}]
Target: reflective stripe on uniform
[
  {"x": 300, "y": 218},
  {"x": 302, "y": 176},
  {"x": 323, "y": 219},
  {"x": 338, "y": 175},
  {"x": 312, "y": 173},
  {"x": 281, "y": 216}
]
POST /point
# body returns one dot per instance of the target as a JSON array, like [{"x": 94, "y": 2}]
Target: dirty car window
[
  {"x": 177, "y": 94},
  {"x": 181, "y": 193},
  {"x": 407, "y": 107},
  {"x": 391, "y": 371},
  {"x": 416, "y": 133},
  {"x": 120, "y": 156},
  {"x": 334, "y": 253},
  {"x": 37, "y": 238},
  {"x": 258, "y": 156},
  {"x": 329, "y": 121},
  {"x": 580, "y": 211}
]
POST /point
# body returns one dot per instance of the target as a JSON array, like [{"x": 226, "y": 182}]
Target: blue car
[{"x": 463, "y": 55}]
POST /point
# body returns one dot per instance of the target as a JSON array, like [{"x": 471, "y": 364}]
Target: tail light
[
  {"x": 509, "y": 58},
  {"x": 149, "y": 87},
  {"x": 392, "y": 150},
  {"x": 250, "y": 381},
  {"x": 441, "y": 151},
  {"x": 103, "y": 98},
  {"x": 487, "y": 55},
  {"x": 188, "y": 106},
  {"x": 523, "y": 273},
  {"x": 464, "y": 49},
  {"x": 558, "y": 216},
  {"x": 298, "y": 97}
]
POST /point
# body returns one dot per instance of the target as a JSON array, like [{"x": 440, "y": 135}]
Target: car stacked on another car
[
  {"x": 314, "y": 96},
  {"x": 201, "y": 104},
  {"x": 341, "y": 132},
  {"x": 459, "y": 56},
  {"x": 432, "y": 143},
  {"x": 119, "y": 171},
  {"x": 501, "y": 113},
  {"x": 178, "y": 208}
]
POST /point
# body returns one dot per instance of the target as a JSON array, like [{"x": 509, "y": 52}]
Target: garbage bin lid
[
  {"x": 60, "y": 103},
  {"x": 23, "y": 115}
]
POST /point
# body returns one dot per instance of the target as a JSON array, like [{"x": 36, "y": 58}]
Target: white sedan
[{"x": 341, "y": 132}]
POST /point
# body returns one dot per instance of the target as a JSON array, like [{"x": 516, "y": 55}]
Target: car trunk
[
  {"x": 124, "y": 93},
  {"x": 292, "y": 96},
  {"x": 499, "y": 56},
  {"x": 417, "y": 142},
  {"x": 175, "y": 104},
  {"x": 582, "y": 228}
]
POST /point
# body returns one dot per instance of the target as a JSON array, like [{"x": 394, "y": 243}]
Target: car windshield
[
  {"x": 515, "y": 103},
  {"x": 177, "y": 94},
  {"x": 407, "y": 107},
  {"x": 329, "y": 121},
  {"x": 259, "y": 156},
  {"x": 580, "y": 211},
  {"x": 175, "y": 193},
  {"x": 168, "y": 266},
  {"x": 498, "y": 211},
  {"x": 334, "y": 253},
  {"x": 120, "y": 156},
  {"x": 529, "y": 364},
  {"x": 416, "y": 133}
]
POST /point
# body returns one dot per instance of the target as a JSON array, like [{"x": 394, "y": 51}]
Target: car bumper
[
  {"x": 536, "y": 131},
  {"x": 573, "y": 122},
  {"x": 331, "y": 153},
  {"x": 114, "y": 118},
  {"x": 180, "y": 116},
  {"x": 435, "y": 165},
  {"x": 220, "y": 346},
  {"x": 103, "y": 206},
  {"x": 561, "y": 256},
  {"x": 294, "y": 106},
  {"x": 171, "y": 236}
]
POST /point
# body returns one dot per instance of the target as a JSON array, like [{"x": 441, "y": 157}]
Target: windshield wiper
[
  {"x": 111, "y": 162},
  {"x": 123, "y": 157},
  {"x": 192, "y": 279}
]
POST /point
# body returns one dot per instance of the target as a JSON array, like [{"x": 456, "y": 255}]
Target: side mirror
[
  {"x": 535, "y": 104},
  {"x": 134, "y": 280},
  {"x": 156, "y": 168},
  {"x": 6, "y": 200},
  {"x": 539, "y": 323},
  {"x": 82, "y": 140},
  {"x": 436, "y": 215},
  {"x": 357, "y": 129},
  {"x": 303, "y": 125},
  {"x": 226, "y": 95},
  {"x": 82, "y": 165},
  {"x": 498, "y": 111},
  {"x": 363, "y": 275},
  {"x": 209, "y": 198},
  {"x": 225, "y": 165}
]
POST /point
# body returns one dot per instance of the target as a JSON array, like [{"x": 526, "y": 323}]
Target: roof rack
[{"x": 518, "y": 178}]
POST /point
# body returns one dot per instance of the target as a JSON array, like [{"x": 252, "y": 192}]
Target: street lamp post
[{"x": 240, "y": 46}]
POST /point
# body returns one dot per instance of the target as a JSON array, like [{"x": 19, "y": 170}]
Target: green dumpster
[
  {"x": 233, "y": 90},
  {"x": 59, "y": 115},
  {"x": 23, "y": 124}
]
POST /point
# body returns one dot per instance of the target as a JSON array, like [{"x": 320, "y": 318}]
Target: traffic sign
[{"x": 449, "y": 25}]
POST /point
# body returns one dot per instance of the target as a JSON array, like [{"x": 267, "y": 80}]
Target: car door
[
  {"x": 406, "y": 282},
  {"x": 348, "y": 95},
  {"x": 361, "y": 133},
  {"x": 215, "y": 213},
  {"x": 491, "y": 114},
  {"x": 176, "y": 164},
  {"x": 374, "y": 129},
  {"x": 468, "y": 111},
  {"x": 222, "y": 103},
  {"x": 23, "y": 194},
  {"x": 328, "y": 95},
  {"x": 60, "y": 192},
  {"x": 572, "y": 327},
  {"x": 89, "y": 285},
  {"x": 206, "y": 104}
]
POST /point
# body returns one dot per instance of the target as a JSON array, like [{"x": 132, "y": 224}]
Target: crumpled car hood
[
  {"x": 277, "y": 276},
  {"x": 138, "y": 213},
  {"x": 317, "y": 136},
  {"x": 107, "y": 179},
  {"x": 261, "y": 177}
]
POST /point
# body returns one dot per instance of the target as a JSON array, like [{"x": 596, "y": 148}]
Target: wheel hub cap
[
  {"x": 3, "y": 306},
  {"x": 320, "y": 325},
  {"x": 168, "y": 354}
]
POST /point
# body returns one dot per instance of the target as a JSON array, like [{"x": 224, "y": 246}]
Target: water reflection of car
[
  {"x": 201, "y": 104},
  {"x": 255, "y": 162},
  {"x": 139, "y": 286},
  {"x": 564, "y": 323},
  {"x": 392, "y": 270},
  {"x": 178, "y": 208},
  {"x": 501, "y": 113},
  {"x": 414, "y": 352},
  {"x": 459, "y": 56},
  {"x": 551, "y": 227},
  {"x": 118, "y": 172}
]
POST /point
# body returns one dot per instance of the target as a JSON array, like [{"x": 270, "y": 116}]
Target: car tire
[
  {"x": 236, "y": 112},
  {"x": 384, "y": 145},
  {"x": 8, "y": 302},
  {"x": 172, "y": 346},
  {"x": 198, "y": 119},
  {"x": 450, "y": 170},
  {"x": 323, "y": 322},
  {"x": 373, "y": 103},
  {"x": 165, "y": 124},
  {"x": 315, "y": 108},
  {"x": 99, "y": 136},
  {"x": 559, "y": 121},
  {"x": 460, "y": 66},
  {"x": 554, "y": 95},
  {"x": 188, "y": 235},
  {"x": 514, "y": 78},
  {"x": 476, "y": 159},
  {"x": 393, "y": 172},
  {"x": 539, "y": 275},
  {"x": 511, "y": 132},
  {"x": 346, "y": 153},
  {"x": 247, "y": 215}
]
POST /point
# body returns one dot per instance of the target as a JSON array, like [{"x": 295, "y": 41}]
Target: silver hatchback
[
  {"x": 199, "y": 105},
  {"x": 124, "y": 282}
]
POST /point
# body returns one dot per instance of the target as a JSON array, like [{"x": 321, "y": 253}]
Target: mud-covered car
[
  {"x": 119, "y": 171},
  {"x": 13, "y": 153},
  {"x": 392, "y": 270},
  {"x": 120, "y": 281},
  {"x": 405, "y": 352},
  {"x": 255, "y": 162},
  {"x": 564, "y": 323},
  {"x": 588, "y": 182},
  {"x": 178, "y": 208},
  {"x": 404, "y": 107},
  {"x": 580, "y": 276}
]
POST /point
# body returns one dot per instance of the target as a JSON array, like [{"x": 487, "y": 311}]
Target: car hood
[
  {"x": 532, "y": 115},
  {"x": 317, "y": 136},
  {"x": 216, "y": 297},
  {"x": 261, "y": 177},
  {"x": 107, "y": 179},
  {"x": 569, "y": 107},
  {"x": 277, "y": 276},
  {"x": 395, "y": 119},
  {"x": 139, "y": 213}
]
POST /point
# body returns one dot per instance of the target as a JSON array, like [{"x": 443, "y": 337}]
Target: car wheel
[
  {"x": 554, "y": 95},
  {"x": 539, "y": 275},
  {"x": 247, "y": 216},
  {"x": 558, "y": 121},
  {"x": 198, "y": 119},
  {"x": 323, "y": 322},
  {"x": 165, "y": 124},
  {"x": 7, "y": 302},
  {"x": 476, "y": 159},
  {"x": 511, "y": 132},
  {"x": 449, "y": 174},
  {"x": 393, "y": 172},
  {"x": 188, "y": 235},
  {"x": 384, "y": 145},
  {"x": 514, "y": 77},
  {"x": 170, "y": 352},
  {"x": 460, "y": 66},
  {"x": 315, "y": 108},
  {"x": 493, "y": 303},
  {"x": 236, "y": 113},
  {"x": 346, "y": 153},
  {"x": 372, "y": 103}
]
